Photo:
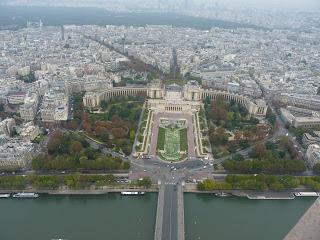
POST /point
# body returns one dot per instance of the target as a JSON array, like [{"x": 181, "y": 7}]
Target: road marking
[{"x": 170, "y": 213}]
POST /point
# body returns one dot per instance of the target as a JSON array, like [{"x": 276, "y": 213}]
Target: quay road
[{"x": 170, "y": 213}]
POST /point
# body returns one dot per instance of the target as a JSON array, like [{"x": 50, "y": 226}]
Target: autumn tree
[
  {"x": 219, "y": 136},
  {"x": 118, "y": 132},
  {"x": 237, "y": 136},
  {"x": 54, "y": 141},
  {"x": 86, "y": 123},
  {"x": 259, "y": 151},
  {"x": 76, "y": 147},
  {"x": 116, "y": 121},
  {"x": 102, "y": 132},
  {"x": 218, "y": 111}
]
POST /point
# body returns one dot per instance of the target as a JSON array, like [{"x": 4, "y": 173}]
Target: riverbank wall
[
  {"x": 79, "y": 191},
  {"x": 250, "y": 194}
]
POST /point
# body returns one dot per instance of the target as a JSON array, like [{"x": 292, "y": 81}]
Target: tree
[
  {"x": 219, "y": 136},
  {"x": 116, "y": 121},
  {"x": 271, "y": 145},
  {"x": 247, "y": 134},
  {"x": 132, "y": 134},
  {"x": 244, "y": 144},
  {"x": 145, "y": 182},
  {"x": 232, "y": 147},
  {"x": 118, "y": 132},
  {"x": 260, "y": 132},
  {"x": 54, "y": 142},
  {"x": 102, "y": 133},
  {"x": 218, "y": 111},
  {"x": 238, "y": 157},
  {"x": 259, "y": 151},
  {"x": 316, "y": 168},
  {"x": 271, "y": 117},
  {"x": 237, "y": 136},
  {"x": 73, "y": 124},
  {"x": 87, "y": 126},
  {"x": 76, "y": 147},
  {"x": 277, "y": 186},
  {"x": 104, "y": 104}
]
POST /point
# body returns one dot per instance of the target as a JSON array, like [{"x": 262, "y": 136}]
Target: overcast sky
[{"x": 302, "y": 5}]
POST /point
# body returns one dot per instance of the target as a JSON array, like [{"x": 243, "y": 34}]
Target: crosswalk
[{"x": 170, "y": 183}]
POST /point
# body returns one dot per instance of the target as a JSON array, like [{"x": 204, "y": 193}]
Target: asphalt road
[{"x": 170, "y": 214}]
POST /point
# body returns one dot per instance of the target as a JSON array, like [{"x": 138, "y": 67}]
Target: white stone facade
[
  {"x": 15, "y": 153},
  {"x": 313, "y": 154},
  {"x": 28, "y": 110},
  {"x": 176, "y": 98}
]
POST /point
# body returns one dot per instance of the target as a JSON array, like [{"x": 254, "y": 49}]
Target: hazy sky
[{"x": 302, "y": 5}]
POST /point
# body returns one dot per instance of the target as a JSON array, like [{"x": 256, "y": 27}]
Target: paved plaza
[{"x": 172, "y": 116}]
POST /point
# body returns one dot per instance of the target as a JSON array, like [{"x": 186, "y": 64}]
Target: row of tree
[
  {"x": 260, "y": 183},
  {"x": 74, "y": 181},
  {"x": 269, "y": 158}
]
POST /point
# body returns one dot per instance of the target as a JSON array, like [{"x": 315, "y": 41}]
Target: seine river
[
  {"x": 207, "y": 217},
  {"x": 133, "y": 217}
]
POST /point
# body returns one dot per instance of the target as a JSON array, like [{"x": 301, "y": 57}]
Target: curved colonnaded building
[{"x": 174, "y": 98}]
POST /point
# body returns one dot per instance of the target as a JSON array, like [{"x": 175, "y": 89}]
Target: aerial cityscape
[{"x": 173, "y": 119}]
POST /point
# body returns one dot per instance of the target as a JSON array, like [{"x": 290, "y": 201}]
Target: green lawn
[
  {"x": 183, "y": 140},
  {"x": 172, "y": 144},
  {"x": 161, "y": 138}
]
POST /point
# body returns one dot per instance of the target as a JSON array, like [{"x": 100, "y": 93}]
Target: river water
[
  {"x": 208, "y": 217},
  {"x": 98, "y": 217},
  {"x": 118, "y": 217}
]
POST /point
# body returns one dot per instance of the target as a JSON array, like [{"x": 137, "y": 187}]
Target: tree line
[
  {"x": 73, "y": 181},
  {"x": 268, "y": 158},
  {"x": 260, "y": 183}
]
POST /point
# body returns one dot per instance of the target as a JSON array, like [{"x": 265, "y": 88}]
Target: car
[{"x": 204, "y": 166}]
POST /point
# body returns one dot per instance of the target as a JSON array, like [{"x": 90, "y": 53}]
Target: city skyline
[{"x": 183, "y": 116}]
